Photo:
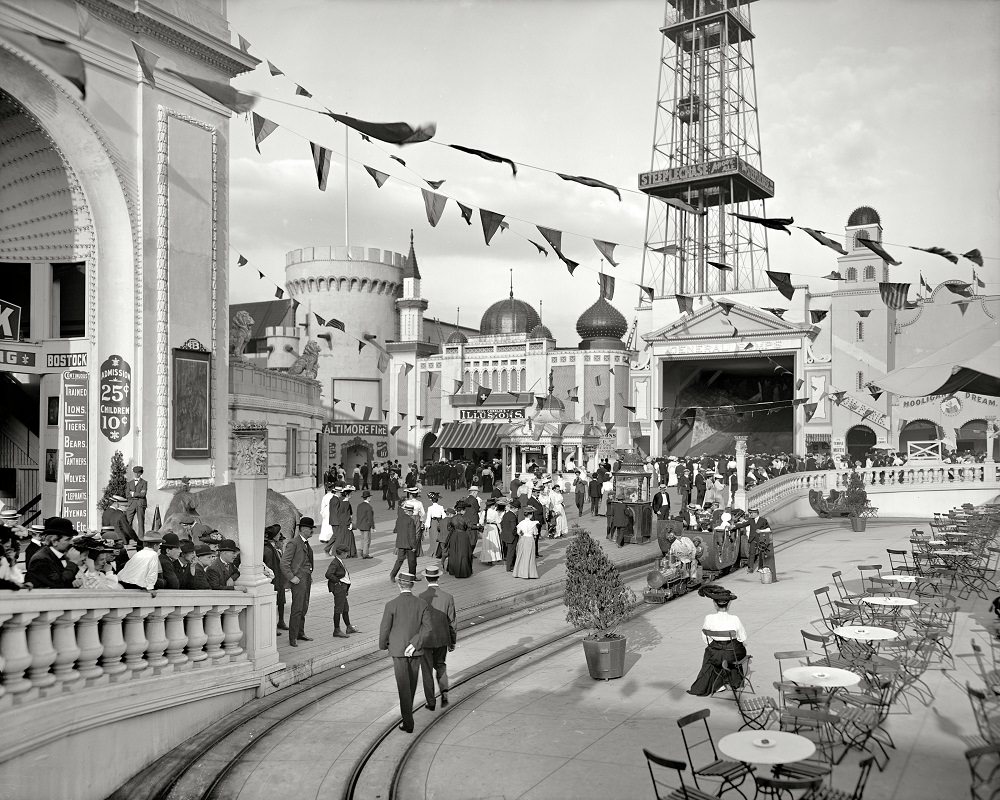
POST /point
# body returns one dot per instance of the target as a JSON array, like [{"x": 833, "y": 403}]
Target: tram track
[{"x": 182, "y": 773}]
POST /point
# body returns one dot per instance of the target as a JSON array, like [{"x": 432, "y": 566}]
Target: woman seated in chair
[{"x": 714, "y": 676}]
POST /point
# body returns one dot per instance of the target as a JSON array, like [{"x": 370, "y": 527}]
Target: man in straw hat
[
  {"x": 442, "y": 638},
  {"x": 406, "y": 624},
  {"x": 406, "y": 541}
]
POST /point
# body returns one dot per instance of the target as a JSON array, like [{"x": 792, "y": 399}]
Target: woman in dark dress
[
  {"x": 459, "y": 544},
  {"x": 713, "y": 676}
]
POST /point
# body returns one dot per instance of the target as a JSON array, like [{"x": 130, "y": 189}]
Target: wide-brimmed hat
[
  {"x": 450, "y": 512},
  {"x": 188, "y": 546},
  {"x": 228, "y": 545},
  {"x": 203, "y": 550},
  {"x": 413, "y": 490},
  {"x": 716, "y": 593},
  {"x": 432, "y": 572},
  {"x": 58, "y": 526},
  {"x": 210, "y": 537},
  {"x": 694, "y": 507},
  {"x": 406, "y": 579},
  {"x": 117, "y": 498},
  {"x": 151, "y": 537},
  {"x": 8, "y": 514},
  {"x": 754, "y": 511},
  {"x": 170, "y": 539},
  {"x": 272, "y": 530}
]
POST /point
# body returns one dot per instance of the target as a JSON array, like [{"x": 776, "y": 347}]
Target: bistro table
[
  {"x": 890, "y": 605},
  {"x": 900, "y": 578},
  {"x": 867, "y": 635},
  {"x": 766, "y": 747}
]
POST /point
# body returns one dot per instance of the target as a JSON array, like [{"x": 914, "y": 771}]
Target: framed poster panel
[
  {"x": 192, "y": 404},
  {"x": 52, "y": 411}
]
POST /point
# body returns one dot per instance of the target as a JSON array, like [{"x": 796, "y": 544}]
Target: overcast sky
[{"x": 888, "y": 103}]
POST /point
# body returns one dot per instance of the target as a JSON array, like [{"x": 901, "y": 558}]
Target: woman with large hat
[{"x": 719, "y": 648}]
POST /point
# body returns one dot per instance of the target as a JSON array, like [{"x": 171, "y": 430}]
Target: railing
[
  {"x": 769, "y": 494},
  {"x": 50, "y": 639}
]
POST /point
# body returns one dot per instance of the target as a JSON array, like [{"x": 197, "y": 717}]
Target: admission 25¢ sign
[{"x": 116, "y": 398}]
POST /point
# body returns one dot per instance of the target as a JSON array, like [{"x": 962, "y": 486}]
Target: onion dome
[
  {"x": 509, "y": 316},
  {"x": 457, "y": 337},
  {"x": 540, "y": 332},
  {"x": 863, "y": 215},
  {"x": 602, "y": 321}
]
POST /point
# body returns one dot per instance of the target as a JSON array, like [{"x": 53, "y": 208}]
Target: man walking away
[
  {"x": 441, "y": 640},
  {"x": 338, "y": 581},
  {"x": 364, "y": 518},
  {"x": 406, "y": 542},
  {"x": 406, "y": 623},
  {"x": 595, "y": 489},
  {"x": 297, "y": 567},
  {"x": 508, "y": 534}
]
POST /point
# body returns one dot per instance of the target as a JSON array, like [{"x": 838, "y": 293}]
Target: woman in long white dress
[
  {"x": 558, "y": 507},
  {"x": 491, "y": 552},
  {"x": 325, "y": 529},
  {"x": 527, "y": 531}
]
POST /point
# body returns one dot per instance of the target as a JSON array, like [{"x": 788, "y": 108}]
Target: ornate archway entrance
[{"x": 860, "y": 439}]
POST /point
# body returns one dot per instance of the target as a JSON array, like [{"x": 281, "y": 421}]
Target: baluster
[
  {"x": 136, "y": 641},
  {"x": 67, "y": 649},
  {"x": 157, "y": 638},
  {"x": 214, "y": 633},
  {"x": 16, "y": 655},
  {"x": 88, "y": 639},
  {"x": 233, "y": 633},
  {"x": 113, "y": 643},
  {"x": 43, "y": 654},
  {"x": 177, "y": 638},
  {"x": 194, "y": 625}
]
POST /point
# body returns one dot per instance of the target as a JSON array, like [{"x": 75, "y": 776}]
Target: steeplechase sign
[{"x": 74, "y": 447}]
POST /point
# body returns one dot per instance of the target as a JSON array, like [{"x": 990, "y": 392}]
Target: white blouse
[{"x": 724, "y": 621}]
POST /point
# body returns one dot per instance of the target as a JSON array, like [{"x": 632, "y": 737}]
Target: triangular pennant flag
[
  {"x": 963, "y": 306},
  {"x": 874, "y": 391},
  {"x": 466, "y": 212},
  {"x": 778, "y": 312},
  {"x": 818, "y": 316},
  {"x": 570, "y": 264},
  {"x": 608, "y": 427},
  {"x": 976, "y": 280},
  {"x": 482, "y": 393},
  {"x": 222, "y": 93},
  {"x": 147, "y": 62},
  {"x": 366, "y": 138},
  {"x": 430, "y": 379},
  {"x": 397, "y": 158},
  {"x": 402, "y": 414},
  {"x": 599, "y": 409},
  {"x": 434, "y": 184},
  {"x": 666, "y": 249},
  {"x": 607, "y": 286},
  {"x": 607, "y": 249},
  {"x": 275, "y": 72},
  {"x": 302, "y": 92},
  {"x": 720, "y": 266},
  {"x": 774, "y": 223},
  {"x": 685, "y": 304},
  {"x": 321, "y": 160},
  {"x": 539, "y": 248},
  {"x": 491, "y": 222},
  {"x": 393, "y": 429},
  {"x": 680, "y": 204},
  {"x": 353, "y": 407},
  {"x": 799, "y": 384},
  {"x": 782, "y": 281},
  {"x": 458, "y": 387},
  {"x": 295, "y": 305},
  {"x": 367, "y": 413},
  {"x": 862, "y": 312},
  {"x": 974, "y": 256},
  {"x": 319, "y": 319},
  {"x": 658, "y": 422},
  {"x": 537, "y": 430},
  {"x": 592, "y": 182},
  {"x": 810, "y": 409},
  {"x": 894, "y": 294},
  {"x": 487, "y": 156},
  {"x": 83, "y": 28},
  {"x": 244, "y": 44},
  {"x": 867, "y": 413},
  {"x": 725, "y": 306},
  {"x": 361, "y": 345},
  {"x": 748, "y": 346},
  {"x": 242, "y": 261},
  {"x": 436, "y": 425},
  {"x": 924, "y": 285},
  {"x": 877, "y": 249},
  {"x": 379, "y": 177},
  {"x": 55, "y": 54},
  {"x": 552, "y": 236},
  {"x": 279, "y": 293},
  {"x": 262, "y": 128},
  {"x": 385, "y": 413},
  {"x": 391, "y": 132},
  {"x": 938, "y": 251},
  {"x": 961, "y": 289},
  {"x": 838, "y": 397},
  {"x": 407, "y": 368},
  {"x": 823, "y": 240},
  {"x": 630, "y": 409},
  {"x": 648, "y": 292},
  {"x": 434, "y": 205},
  {"x": 260, "y": 275},
  {"x": 418, "y": 417},
  {"x": 834, "y": 276},
  {"x": 383, "y": 361},
  {"x": 335, "y": 400}
]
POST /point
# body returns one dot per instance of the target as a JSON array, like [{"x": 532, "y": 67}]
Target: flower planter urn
[
  {"x": 858, "y": 524},
  {"x": 605, "y": 656}
]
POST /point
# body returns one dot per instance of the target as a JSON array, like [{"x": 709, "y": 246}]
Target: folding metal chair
[
  {"x": 756, "y": 710},
  {"x": 869, "y": 571},
  {"x": 818, "y": 727},
  {"x": 846, "y": 596},
  {"x": 899, "y": 562},
  {"x": 984, "y": 765},
  {"x": 827, "y": 793},
  {"x": 785, "y": 788},
  {"x": 985, "y": 713},
  {"x": 661, "y": 764},
  {"x": 988, "y": 672},
  {"x": 698, "y": 739},
  {"x": 831, "y": 617}
]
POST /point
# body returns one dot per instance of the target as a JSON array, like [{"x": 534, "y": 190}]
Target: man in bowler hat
[
  {"x": 297, "y": 567},
  {"x": 406, "y": 624}
]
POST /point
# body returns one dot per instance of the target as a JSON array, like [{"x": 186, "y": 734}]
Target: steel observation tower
[{"x": 706, "y": 162}]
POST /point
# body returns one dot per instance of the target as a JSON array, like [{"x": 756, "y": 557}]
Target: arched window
[
  {"x": 475, "y": 379},
  {"x": 467, "y": 385},
  {"x": 869, "y": 273},
  {"x": 504, "y": 381},
  {"x": 851, "y": 274},
  {"x": 862, "y": 234},
  {"x": 859, "y": 380},
  {"x": 859, "y": 333},
  {"x": 496, "y": 379},
  {"x": 524, "y": 378}
]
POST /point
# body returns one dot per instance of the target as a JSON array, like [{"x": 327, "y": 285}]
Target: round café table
[
  {"x": 900, "y": 578},
  {"x": 822, "y": 677},
  {"x": 888, "y": 602},
  {"x": 867, "y": 635},
  {"x": 765, "y": 747}
]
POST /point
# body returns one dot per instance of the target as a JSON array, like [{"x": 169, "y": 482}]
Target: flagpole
[{"x": 347, "y": 194}]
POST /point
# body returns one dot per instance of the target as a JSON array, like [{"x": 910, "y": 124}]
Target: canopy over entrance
[
  {"x": 971, "y": 363},
  {"x": 472, "y": 435}
]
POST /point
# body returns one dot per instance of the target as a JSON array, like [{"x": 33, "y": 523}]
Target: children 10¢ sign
[{"x": 116, "y": 398}]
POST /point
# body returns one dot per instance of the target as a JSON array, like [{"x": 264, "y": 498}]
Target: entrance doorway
[
  {"x": 917, "y": 430},
  {"x": 357, "y": 453},
  {"x": 860, "y": 439},
  {"x": 971, "y": 439},
  {"x": 428, "y": 450}
]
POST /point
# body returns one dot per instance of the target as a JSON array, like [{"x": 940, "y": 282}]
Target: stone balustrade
[
  {"x": 55, "y": 642},
  {"x": 773, "y": 492}
]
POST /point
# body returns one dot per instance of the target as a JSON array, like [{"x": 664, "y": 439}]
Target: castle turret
[{"x": 411, "y": 306}]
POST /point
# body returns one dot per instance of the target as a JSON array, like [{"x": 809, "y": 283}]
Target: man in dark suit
[
  {"x": 221, "y": 573},
  {"x": 391, "y": 492},
  {"x": 594, "y": 491},
  {"x": 406, "y": 541},
  {"x": 333, "y": 516},
  {"x": 661, "y": 502},
  {"x": 170, "y": 551},
  {"x": 406, "y": 624},
  {"x": 297, "y": 567},
  {"x": 760, "y": 548},
  {"x": 272, "y": 560},
  {"x": 441, "y": 640},
  {"x": 508, "y": 535},
  {"x": 114, "y": 517},
  {"x": 338, "y": 581},
  {"x": 135, "y": 496},
  {"x": 700, "y": 487},
  {"x": 364, "y": 519},
  {"x": 49, "y": 568}
]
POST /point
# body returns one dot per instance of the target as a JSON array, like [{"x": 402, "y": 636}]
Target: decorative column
[
  {"x": 741, "y": 472},
  {"x": 250, "y": 456},
  {"x": 991, "y": 434},
  {"x": 548, "y": 456}
]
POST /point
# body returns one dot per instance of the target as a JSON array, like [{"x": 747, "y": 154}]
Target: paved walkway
[{"x": 553, "y": 732}]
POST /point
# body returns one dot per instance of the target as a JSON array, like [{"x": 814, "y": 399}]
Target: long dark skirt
[{"x": 711, "y": 677}]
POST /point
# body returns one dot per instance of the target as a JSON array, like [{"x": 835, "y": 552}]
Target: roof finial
[
  {"x": 511, "y": 283},
  {"x": 411, "y": 237},
  {"x": 539, "y": 312}
]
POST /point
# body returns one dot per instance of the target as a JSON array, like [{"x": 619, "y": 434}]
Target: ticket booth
[{"x": 632, "y": 486}]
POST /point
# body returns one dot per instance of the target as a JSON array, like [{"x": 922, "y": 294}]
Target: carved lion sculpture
[
  {"x": 307, "y": 364},
  {"x": 240, "y": 328}
]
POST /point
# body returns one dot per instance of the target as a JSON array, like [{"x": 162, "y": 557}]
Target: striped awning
[
  {"x": 817, "y": 437},
  {"x": 475, "y": 435}
]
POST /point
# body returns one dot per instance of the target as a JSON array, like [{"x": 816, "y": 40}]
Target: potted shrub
[
  {"x": 856, "y": 500},
  {"x": 597, "y": 600}
]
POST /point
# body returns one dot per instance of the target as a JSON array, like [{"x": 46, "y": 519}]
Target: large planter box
[{"x": 605, "y": 657}]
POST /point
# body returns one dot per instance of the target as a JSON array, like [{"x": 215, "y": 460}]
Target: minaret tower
[
  {"x": 411, "y": 306},
  {"x": 706, "y": 162}
]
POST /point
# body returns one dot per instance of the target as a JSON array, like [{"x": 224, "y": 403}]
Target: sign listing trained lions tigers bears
[{"x": 116, "y": 398}]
